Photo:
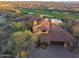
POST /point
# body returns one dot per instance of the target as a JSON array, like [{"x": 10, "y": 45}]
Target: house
[
  {"x": 52, "y": 27},
  {"x": 44, "y": 24}
]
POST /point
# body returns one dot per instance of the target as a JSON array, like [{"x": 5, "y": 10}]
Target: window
[{"x": 35, "y": 22}]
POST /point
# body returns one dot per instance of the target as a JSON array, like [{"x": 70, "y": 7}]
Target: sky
[{"x": 40, "y": 0}]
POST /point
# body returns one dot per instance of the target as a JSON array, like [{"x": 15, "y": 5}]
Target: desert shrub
[
  {"x": 16, "y": 26},
  {"x": 20, "y": 42}
]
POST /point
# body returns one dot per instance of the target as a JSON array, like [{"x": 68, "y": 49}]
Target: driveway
[{"x": 55, "y": 51}]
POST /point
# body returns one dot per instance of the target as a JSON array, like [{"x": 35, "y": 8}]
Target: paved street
[{"x": 52, "y": 52}]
